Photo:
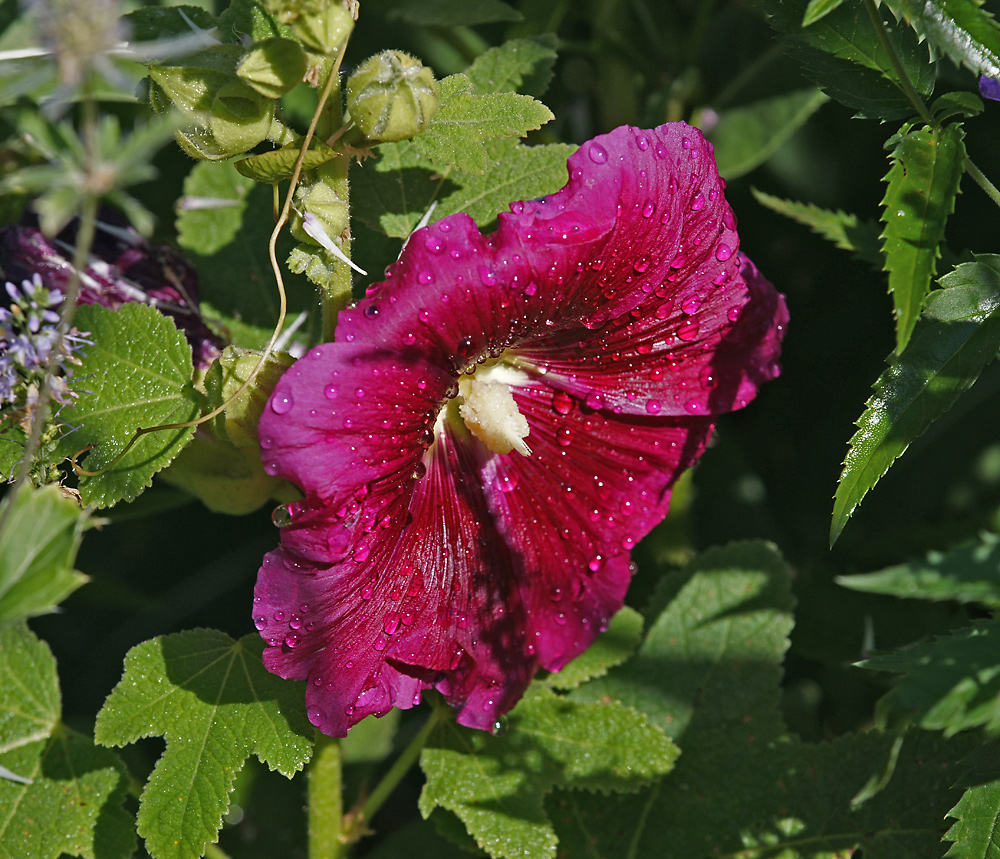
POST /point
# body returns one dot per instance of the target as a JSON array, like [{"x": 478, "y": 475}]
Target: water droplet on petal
[
  {"x": 291, "y": 640},
  {"x": 371, "y": 311},
  {"x": 499, "y": 727},
  {"x": 694, "y": 407},
  {"x": 733, "y": 313},
  {"x": 391, "y": 624},
  {"x": 281, "y": 404},
  {"x": 598, "y": 154},
  {"x": 361, "y": 553},
  {"x": 426, "y": 276},
  {"x": 260, "y": 621},
  {"x": 595, "y": 563},
  {"x": 653, "y": 407},
  {"x": 506, "y": 482},
  {"x": 688, "y": 331},
  {"x": 723, "y": 252},
  {"x": 562, "y": 403},
  {"x": 691, "y": 305},
  {"x": 648, "y": 209},
  {"x": 281, "y": 516}
]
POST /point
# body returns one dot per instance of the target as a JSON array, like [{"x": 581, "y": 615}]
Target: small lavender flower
[{"x": 989, "y": 88}]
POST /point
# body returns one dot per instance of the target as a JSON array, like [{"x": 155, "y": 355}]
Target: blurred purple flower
[
  {"x": 123, "y": 267},
  {"x": 989, "y": 88}
]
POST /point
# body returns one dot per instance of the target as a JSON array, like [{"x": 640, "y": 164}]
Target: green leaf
[
  {"x": 842, "y": 54},
  {"x": 613, "y": 646},
  {"x": 923, "y": 182},
  {"x": 817, "y": 9},
  {"x": 518, "y": 65},
  {"x": 321, "y": 267},
  {"x": 976, "y": 834},
  {"x": 957, "y": 104},
  {"x": 960, "y": 29},
  {"x": 747, "y": 136},
  {"x": 846, "y": 231},
  {"x": 949, "y": 684},
  {"x": 215, "y": 704},
  {"x": 400, "y": 187},
  {"x": 958, "y": 334},
  {"x": 66, "y": 795},
  {"x": 465, "y": 121},
  {"x": 252, "y": 18},
  {"x": 965, "y": 574},
  {"x": 38, "y": 548},
  {"x": 151, "y": 22},
  {"x": 138, "y": 374},
  {"x": 225, "y": 221},
  {"x": 279, "y": 164},
  {"x": 449, "y": 13},
  {"x": 496, "y": 785}
]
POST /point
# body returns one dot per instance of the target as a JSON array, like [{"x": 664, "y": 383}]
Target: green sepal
[{"x": 273, "y": 67}]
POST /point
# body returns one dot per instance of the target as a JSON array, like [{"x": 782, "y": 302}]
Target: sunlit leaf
[
  {"x": 214, "y": 703},
  {"x": 923, "y": 182},
  {"x": 958, "y": 334}
]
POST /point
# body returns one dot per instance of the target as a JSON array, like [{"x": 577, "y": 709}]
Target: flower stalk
[{"x": 325, "y": 800}]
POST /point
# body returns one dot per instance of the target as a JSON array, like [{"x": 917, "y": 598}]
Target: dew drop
[
  {"x": 531, "y": 289},
  {"x": 648, "y": 209},
  {"x": 723, "y": 252},
  {"x": 690, "y": 306},
  {"x": 688, "y": 331},
  {"x": 330, "y": 391},
  {"x": 694, "y": 407},
  {"x": 598, "y": 154},
  {"x": 260, "y": 621},
  {"x": 594, "y": 400},
  {"x": 733, "y": 313},
  {"x": 361, "y": 553},
  {"x": 371, "y": 311},
  {"x": 641, "y": 265},
  {"x": 419, "y": 470},
  {"x": 595, "y": 563},
  {"x": 698, "y": 203},
  {"x": 564, "y": 437},
  {"x": 281, "y": 404},
  {"x": 426, "y": 276},
  {"x": 499, "y": 727},
  {"x": 281, "y": 516},
  {"x": 291, "y": 640},
  {"x": 562, "y": 403},
  {"x": 653, "y": 407},
  {"x": 507, "y": 482},
  {"x": 391, "y": 624}
]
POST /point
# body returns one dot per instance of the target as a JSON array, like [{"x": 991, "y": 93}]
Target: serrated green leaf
[
  {"x": 400, "y": 187},
  {"x": 68, "y": 794},
  {"x": 749, "y": 135},
  {"x": 225, "y": 222},
  {"x": 965, "y": 574},
  {"x": 923, "y": 183},
  {"x": 957, "y": 104},
  {"x": 279, "y": 164},
  {"x": 518, "y": 65},
  {"x": 842, "y": 54},
  {"x": 949, "y": 684},
  {"x": 613, "y": 646},
  {"x": 845, "y": 230},
  {"x": 38, "y": 548},
  {"x": 817, "y": 9},
  {"x": 958, "y": 334},
  {"x": 465, "y": 122},
  {"x": 496, "y": 785},
  {"x": 137, "y": 374},
  {"x": 449, "y": 13},
  {"x": 960, "y": 29},
  {"x": 976, "y": 834},
  {"x": 214, "y": 703}
]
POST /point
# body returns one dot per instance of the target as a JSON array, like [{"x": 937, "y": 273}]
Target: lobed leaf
[
  {"x": 965, "y": 574},
  {"x": 923, "y": 183},
  {"x": 749, "y": 135},
  {"x": 976, "y": 834},
  {"x": 496, "y": 785},
  {"x": 845, "y": 230},
  {"x": 58, "y": 793},
  {"x": 518, "y": 65},
  {"x": 465, "y": 121},
  {"x": 215, "y": 704},
  {"x": 958, "y": 334},
  {"x": 959, "y": 29},
  {"x": 137, "y": 374},
  {"x": 38, "y": 547}
]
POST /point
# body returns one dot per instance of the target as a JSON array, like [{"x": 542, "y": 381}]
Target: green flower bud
[
  {"x": 273, "y": 67},
  {"x": 322, "y": 25},
  {"x": 240, "y": 118},
  {"x": 392, "y": 96}
]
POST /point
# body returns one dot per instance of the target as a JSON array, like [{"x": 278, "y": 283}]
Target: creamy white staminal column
[{"x": 487, "y": 408}]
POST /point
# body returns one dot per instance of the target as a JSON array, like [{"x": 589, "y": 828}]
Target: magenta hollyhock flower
[{"x": 497, "y": 424}]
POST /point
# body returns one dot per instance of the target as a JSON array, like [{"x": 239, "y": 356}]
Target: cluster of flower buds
[
  {"x": 29, "y": 337},
  {"x": 123, "y": 267}
]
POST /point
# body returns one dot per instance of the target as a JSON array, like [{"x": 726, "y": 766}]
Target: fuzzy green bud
[
  {"x": 273, "y": 67},
  {"x": 321, "y": 201},
  {"x": 322, "y": 25},
  {"x": 392, "y": 96}
]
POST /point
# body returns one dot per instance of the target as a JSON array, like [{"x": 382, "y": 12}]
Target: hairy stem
[{"x": 325, "y": 800}]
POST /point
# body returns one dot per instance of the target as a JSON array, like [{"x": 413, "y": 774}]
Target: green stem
[
  {"x": 897, "y": 66},
  {"x": 402, "y": 765},
  {"x": 214, "y": 851},
  {"x": 982, "y": 181},
  {"x": 325, "y": 800}
]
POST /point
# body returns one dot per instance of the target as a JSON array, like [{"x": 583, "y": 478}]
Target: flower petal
[
  {"x": 594, "y": 485},
  {"x": 691, "y": 348}
]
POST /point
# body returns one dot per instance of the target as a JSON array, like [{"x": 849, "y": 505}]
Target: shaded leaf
[
  {"x": 958, "y": 334},
  {"x": 976, "y": 834},
  {"x": 960, "y": 29},
  {"x": 38, "y": 548},
  {"x": 966, "y": 574},
  {"x": 214, "y": 703},
  {"x": 68, "y": 795},
  {"x": 749, "y": 135},
  {"x": 465, "y": 121},
  {"x": 137, "y": 374},
  {"x": 817, "y": 9},
  {"x": 845, "y": 230},
  {"x": 496, "y": 785},
  {"x": 949, "y": 684},
  {"x": 923, "y": 182}
]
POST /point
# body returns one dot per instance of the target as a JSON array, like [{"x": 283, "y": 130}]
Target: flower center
[{"x": 490, "y": 413}]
